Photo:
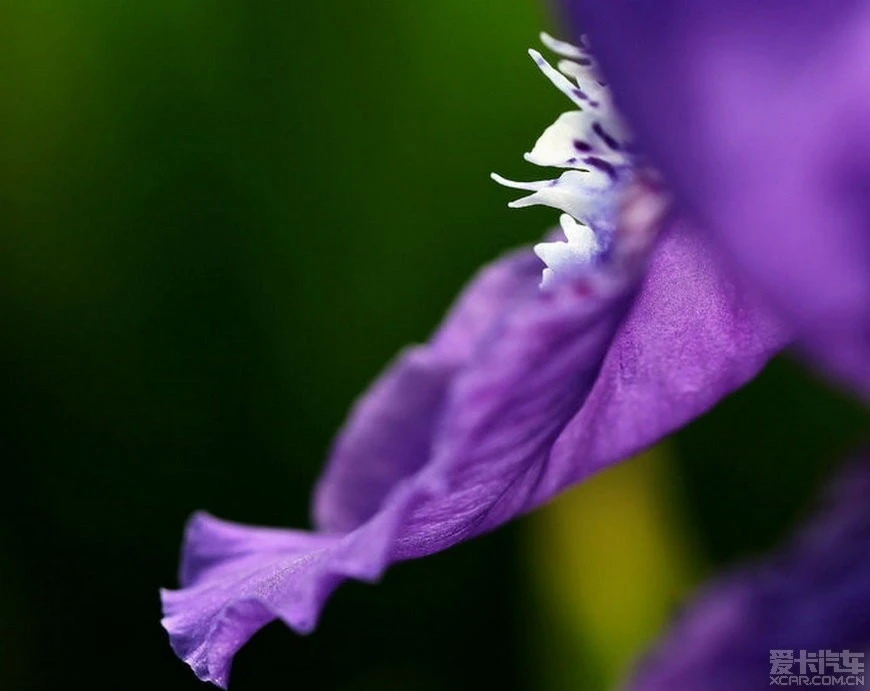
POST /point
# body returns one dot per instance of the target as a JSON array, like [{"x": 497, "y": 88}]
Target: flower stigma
[{"x": 603, "y": 179}]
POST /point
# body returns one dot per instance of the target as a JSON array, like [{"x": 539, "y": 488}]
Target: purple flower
[
  {"x": 813, "y": 596},
  {"x": 531, "y": 384},
  {"x": 758, "y": 115}
]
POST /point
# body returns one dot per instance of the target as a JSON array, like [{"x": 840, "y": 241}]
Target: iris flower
[
  {"x": 555, "y": 362},
  {"x": 758, "y": 115},
  {"x": 813, "y": 596}
]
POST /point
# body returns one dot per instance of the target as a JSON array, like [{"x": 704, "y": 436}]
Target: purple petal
[
  {"x": 237, "y": 579},
  {"x": 520, "y": 394},
  {"x": 389, "y": 432},
  {"x": 758, "y": 114},
  {"x": 692, "y": 336},
  {"x": 814, "y": 596}
]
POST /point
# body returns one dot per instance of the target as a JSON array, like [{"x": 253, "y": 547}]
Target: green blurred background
[{"x": 219, "y": 220}]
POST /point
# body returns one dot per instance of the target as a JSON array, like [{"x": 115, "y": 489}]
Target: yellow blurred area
[{"x": 609, "y": 561}]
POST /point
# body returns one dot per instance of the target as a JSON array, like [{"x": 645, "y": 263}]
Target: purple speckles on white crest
[{"x": 594, "y": 145}]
